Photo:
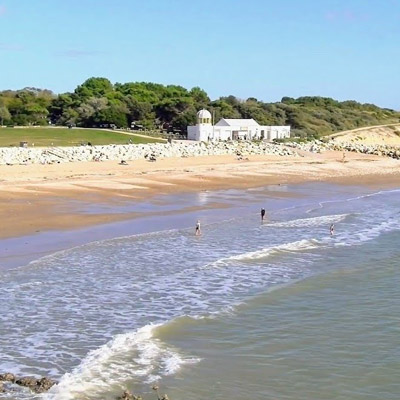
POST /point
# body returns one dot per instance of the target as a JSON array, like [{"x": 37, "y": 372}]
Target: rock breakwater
[
  {"x": 154, "y": 151},
  {"x": 317, "y": 146},
  {"x": 129, "y": 152}
]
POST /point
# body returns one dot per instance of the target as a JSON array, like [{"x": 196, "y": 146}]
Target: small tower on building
[
  {"x": 203, "y": 130},
  {"x": 204, "y": 117}
]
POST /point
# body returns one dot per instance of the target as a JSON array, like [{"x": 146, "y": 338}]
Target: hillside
[
  {"x": 375, "y": 135},
  {"x": 99, "y": 103}
]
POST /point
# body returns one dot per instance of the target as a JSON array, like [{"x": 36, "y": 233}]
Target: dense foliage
[{"x": 97, "y": 102}]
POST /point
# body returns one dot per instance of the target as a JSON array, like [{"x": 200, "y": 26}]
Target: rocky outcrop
[
  {"x": 127, "y": 395},
  {"x": 129, "y": 152},
  {"x": 36, "y": 385},
  {"x": 7, "y": 377}
]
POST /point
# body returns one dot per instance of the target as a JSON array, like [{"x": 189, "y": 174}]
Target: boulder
[
  {"x": 8, "y": 377},
  {"x": 36, "y": 385},
  {"x": 127, "y": 395}
]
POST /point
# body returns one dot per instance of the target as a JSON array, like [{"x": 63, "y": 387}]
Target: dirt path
[{"x": 135, "y": 134}]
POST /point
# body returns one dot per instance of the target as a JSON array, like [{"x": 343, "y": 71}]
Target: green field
[{"x": 66, "y": 137}]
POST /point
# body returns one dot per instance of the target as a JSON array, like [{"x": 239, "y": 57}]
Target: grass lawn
[{"x": 65, "y": 137}]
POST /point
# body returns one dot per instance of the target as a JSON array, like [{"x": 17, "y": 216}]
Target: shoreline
[
  {"x": 55, "y": 207},
  {"x": 20, "y": 251},
  {"x": 68, "y": 196}
]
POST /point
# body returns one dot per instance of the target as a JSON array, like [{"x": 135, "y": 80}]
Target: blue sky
[{"x": 345, "y": 49}]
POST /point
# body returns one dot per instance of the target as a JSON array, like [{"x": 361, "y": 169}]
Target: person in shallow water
[
  {"x": 332, "y": 229},
  {"x": 198, "y": 230},
  {"x": 262, "y": 214}
]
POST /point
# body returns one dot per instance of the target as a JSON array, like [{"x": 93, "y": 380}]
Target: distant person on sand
[
  {"x": 332, "y": 229},
  {"x": 344, "y": 157},
  {"x": 198, "y": 230},
  {"x": 262, "y": 214}
]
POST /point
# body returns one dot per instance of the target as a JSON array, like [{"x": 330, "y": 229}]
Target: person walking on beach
[
  {"x": 332, "y": 229},
  {"x": 262, "y": 214},
  {"x": 198, "y": 230}
]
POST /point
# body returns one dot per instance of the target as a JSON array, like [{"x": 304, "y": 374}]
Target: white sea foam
[
  {"x": 300, "y": 245},
  {"x": 128, "y": 355},
  {"x": 173, "y": 363},
  {"x": 309, "y": 222},
  {"x": 367, "y": 233},
  {"x": 102, "y": 242},
  {"x": 363, "y": 196}
]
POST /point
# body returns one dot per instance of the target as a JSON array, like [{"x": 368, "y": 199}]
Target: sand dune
[{"x": 373, "y": 135}]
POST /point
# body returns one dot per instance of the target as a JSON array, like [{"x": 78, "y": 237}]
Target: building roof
[
  {"x": 236, "y": 122},
  {"x": 204, "y": 114}
]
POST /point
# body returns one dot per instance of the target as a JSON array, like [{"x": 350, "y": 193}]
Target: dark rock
[
  {"x": 127, "y": 395},
  {"x": 44, "y": 384},
  {"x": 8, "y": 377},
  {"x": 36, "y": 385},
  {"x": 27, "y": 381}
]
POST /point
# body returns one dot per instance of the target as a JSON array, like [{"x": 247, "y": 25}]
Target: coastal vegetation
[{"x": 97, "y": 103}]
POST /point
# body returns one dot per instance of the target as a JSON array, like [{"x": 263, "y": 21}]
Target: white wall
[
  {"x": 275, "y": 132},
  {"x": 200, "y": 133},
  {"x": 205, "y": 132},
  {"x": 192, "y": 133}
]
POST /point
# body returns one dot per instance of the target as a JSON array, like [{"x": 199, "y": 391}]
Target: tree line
[{"x": 99, "y": 103}]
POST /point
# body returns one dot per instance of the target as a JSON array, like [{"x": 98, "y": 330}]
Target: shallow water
[{"x": 274, "y": 310}]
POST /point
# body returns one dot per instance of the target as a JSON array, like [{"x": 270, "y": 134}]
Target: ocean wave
[
  {"x": 126, "y": 356},
  {"x": 363, "y": 196},
  {"x": 367, "y": 234},
  {"x": 309, "y": 222},
  {"x": 299, "y": 245},
  {"x": 52, "y": 257}
]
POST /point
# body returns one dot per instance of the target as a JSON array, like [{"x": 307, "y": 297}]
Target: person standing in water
[
  {"x": 332, "y": 229},
  {"x": 198, "y": 230},
  {"x": 262, "y": 214}
]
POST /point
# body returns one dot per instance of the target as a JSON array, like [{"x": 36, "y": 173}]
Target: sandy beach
[{"x": 37, "y": 198}]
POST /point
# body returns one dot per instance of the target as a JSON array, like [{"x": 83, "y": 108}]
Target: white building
[{"x": 233, "y": 129}]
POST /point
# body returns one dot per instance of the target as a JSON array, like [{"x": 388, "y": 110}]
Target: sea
[{"x": 279, "y": 309}]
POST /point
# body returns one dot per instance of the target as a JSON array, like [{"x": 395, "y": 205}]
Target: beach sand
[{"x": 36, "y": 198}]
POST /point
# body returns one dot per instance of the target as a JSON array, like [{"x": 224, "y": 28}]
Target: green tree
[
  {"x": 223, "y": 109},
  {"x": 94, "y": 87},
  {"x": 4, "y": 114},
  {"x": 140, "y": 112},
  {"x": 200, "y": 97},
  {"x": 111, "y": 116}
]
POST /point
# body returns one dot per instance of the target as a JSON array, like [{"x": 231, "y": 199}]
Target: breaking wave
[
  {"x": 309, "y": 222},
  {"x": 300, "y": 245},
  {"x": 126, "y": 356}
]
